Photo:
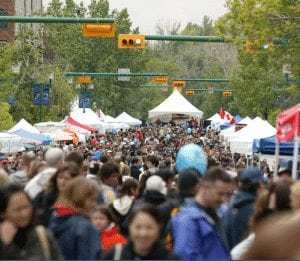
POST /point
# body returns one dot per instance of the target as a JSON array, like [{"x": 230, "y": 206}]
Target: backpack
[{"x": 167, "y": 235}]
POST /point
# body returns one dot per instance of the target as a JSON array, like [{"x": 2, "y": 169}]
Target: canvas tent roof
[
  {"x": 215, "y": 118},
  {"x": 245, "y": 121},
  {"x": 10, "y": 143},
  {"x": 32, "y": 137},
  {"x": 79, "y": 125},
  {"x": 175, "y": 104},
  {"x": 24, "y": 125},
  {"x": 127, "y": 119}
]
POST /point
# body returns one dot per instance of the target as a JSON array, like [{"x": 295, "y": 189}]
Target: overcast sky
[{"x": 148, "y": 13}]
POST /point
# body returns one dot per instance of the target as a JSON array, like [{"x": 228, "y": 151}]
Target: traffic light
[
  {"x": 131, "y": 41},
  {"x": 180, "y": 84},
  {"x": 84, "y": 79},
  {"x": 227, "y": 94},
  {"x": 98, "y": 30},
  {"x": 161, "y": 80},
  {"x": 189, "y": 93}
]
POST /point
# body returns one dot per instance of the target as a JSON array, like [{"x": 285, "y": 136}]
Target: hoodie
[
  {"x": 75, "y": 235},
  {"x": 236, "y": 218}
]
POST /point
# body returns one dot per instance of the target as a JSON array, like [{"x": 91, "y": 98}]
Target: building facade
[{"x": 16, "y": 8}]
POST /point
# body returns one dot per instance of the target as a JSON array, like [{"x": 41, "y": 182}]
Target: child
[{"x": 109, "y": 233}]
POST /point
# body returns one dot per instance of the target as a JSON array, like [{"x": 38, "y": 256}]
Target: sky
[{"x": 147, "y": 14}]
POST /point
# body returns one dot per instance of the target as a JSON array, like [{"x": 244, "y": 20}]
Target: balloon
[{"x": 191, "y": 156}]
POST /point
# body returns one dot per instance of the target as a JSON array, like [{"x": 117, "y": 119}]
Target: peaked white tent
[
  {"x": 114, "y": 123},
  {"x": 215, "y": 118},
  {"x": 245, "y": 121},
  {"x": 89, "y": 118},
  {"x": 242, "y": 140},
  {"x": 24, "y": 125},
  {"x": 175, "y": 104},
  {"x": 127, "y": 119}
]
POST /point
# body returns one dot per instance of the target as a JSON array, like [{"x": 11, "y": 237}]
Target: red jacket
[{"x": 110, "y": 238}]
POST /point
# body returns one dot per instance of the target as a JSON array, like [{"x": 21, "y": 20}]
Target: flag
[
  {"x": 225, "y": 115},
  {"x": 288, "y": 124}
]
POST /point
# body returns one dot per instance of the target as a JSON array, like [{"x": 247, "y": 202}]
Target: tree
[{"x": 6, "y": 120}]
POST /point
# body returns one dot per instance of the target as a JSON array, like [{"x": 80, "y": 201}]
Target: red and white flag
[{"x": 225, "y": 115}]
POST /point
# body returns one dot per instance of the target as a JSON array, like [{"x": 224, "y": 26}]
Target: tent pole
[
  {"x": 296, "y": 146},
  {"x": 276, "y": 158}
]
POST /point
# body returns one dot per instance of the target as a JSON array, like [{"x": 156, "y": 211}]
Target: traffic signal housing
[
  {"x": 98, "y": 30},
  {"x": 179, "y": 84},
  {"x": 131, "y": 41},
  {"x": 255, "y": 45},
  {"x": 227, "y": 94},
  {"x": 189, "y": 93}
]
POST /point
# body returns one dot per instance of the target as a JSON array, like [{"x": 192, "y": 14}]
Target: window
[{"x": 3, "y": 12}]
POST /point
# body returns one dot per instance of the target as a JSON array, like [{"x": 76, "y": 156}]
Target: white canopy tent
[
  {"x": 245, "y": 121},
  {"x": 89, "y": 118},
  {"x": 127, "y": 119},
  {"x": 10, "y": 143},
  {"x": 175, "y": 104},
  {"x": 215, "y": 118},
  {"x": 114, "y": 124},
  {"x": 242, "y": 140},
  {"x": 24, "y": 125},
  {"x": 45, "y": 126}
]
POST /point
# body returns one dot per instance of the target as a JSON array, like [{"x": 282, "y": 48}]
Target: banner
[
  {"x": 84, "y": 99},
  {"x": 11, "y": 101},
  {"x": 41, "y": 95}
]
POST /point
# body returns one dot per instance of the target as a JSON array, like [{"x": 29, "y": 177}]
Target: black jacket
[
  {"x": 157, "y": 253},
  {"x": 27, "y": 245},
  {"x": 135, "y": 172}
]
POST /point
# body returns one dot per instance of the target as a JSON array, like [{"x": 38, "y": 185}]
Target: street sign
[
  {"x": 227, "y": 94},
  {"x": 161, "y": 80},
  {"x": 98, "y": 30},
  {"x": 84, "y": 79}
]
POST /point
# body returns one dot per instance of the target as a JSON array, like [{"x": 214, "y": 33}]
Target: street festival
[{"x": 118, "y": 145}]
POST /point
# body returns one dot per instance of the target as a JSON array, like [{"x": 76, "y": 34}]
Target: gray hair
[{"x": 54, "y": 157}]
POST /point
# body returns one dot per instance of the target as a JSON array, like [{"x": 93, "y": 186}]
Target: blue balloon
[{"x": 191, "y": 156}]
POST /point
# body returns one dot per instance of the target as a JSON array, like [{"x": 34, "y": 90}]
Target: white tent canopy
[
  {"x": 127, "y": 119},
  {"x": 24, "y": 125},
  {"x": 175, "y": 104},
  {"x": 245, "y": 121},
  {"x": 10, "y": 143},
  {"x": 89, "y": 118},
  {"x": 242, "y": 140},
  {"x": 215, "y": 118}
]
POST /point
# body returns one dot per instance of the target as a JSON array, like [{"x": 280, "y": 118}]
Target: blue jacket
[
  {"x": 195, "y": 236},
  {"x": 75, "y": 236},
  {"x": 236, "y": 218}
]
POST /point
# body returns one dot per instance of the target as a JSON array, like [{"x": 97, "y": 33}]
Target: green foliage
[{"x": 6, "y": 120}]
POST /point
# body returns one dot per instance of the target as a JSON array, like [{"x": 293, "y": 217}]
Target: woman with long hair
[{"x": 19, "y": 237}]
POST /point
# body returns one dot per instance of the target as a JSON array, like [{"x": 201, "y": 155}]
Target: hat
[
  {"x": 251, "y": 176},
  {"x": 156, "y": 183}
]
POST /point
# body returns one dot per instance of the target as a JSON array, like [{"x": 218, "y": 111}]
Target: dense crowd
[{"x": 138, "y": 194}]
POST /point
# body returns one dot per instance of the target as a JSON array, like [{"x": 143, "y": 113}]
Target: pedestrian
[
  {"x": 71, "y": 225},
  {"x": 44, "y": 201},
  {"x": 197, "y": 229},
  {"x": 109, "y": 174},
  {"x": 104, "y": 222},
  {"x": 19, "y": 237},
  {"x": 144, "y": 237},
  {"x": 295, "y": 196},
  {"x": 241, "y": 207}
]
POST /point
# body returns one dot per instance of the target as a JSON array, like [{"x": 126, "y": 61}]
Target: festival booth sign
[
  {"x": 288, "y": 129},
  {"x": 10, "y": 143},
  {"x": 49, "y": 125}
]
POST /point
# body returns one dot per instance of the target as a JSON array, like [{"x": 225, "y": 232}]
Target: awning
[{"x": 79, "y": 125}]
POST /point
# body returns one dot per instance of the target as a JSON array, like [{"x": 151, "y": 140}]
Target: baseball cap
[{"x": 251, "y": 176}]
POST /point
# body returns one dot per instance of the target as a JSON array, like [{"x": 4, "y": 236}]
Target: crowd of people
[{"x": 137, "y": 194}]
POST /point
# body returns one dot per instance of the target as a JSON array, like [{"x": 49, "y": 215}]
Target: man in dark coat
[{"x": 241, "y": 207}]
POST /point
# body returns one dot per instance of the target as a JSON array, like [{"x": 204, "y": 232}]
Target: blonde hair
[
  {"x": 77, "y": 191},
  {"x": 295, "y": 189},
  {"x": 4, "y": 179}
]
